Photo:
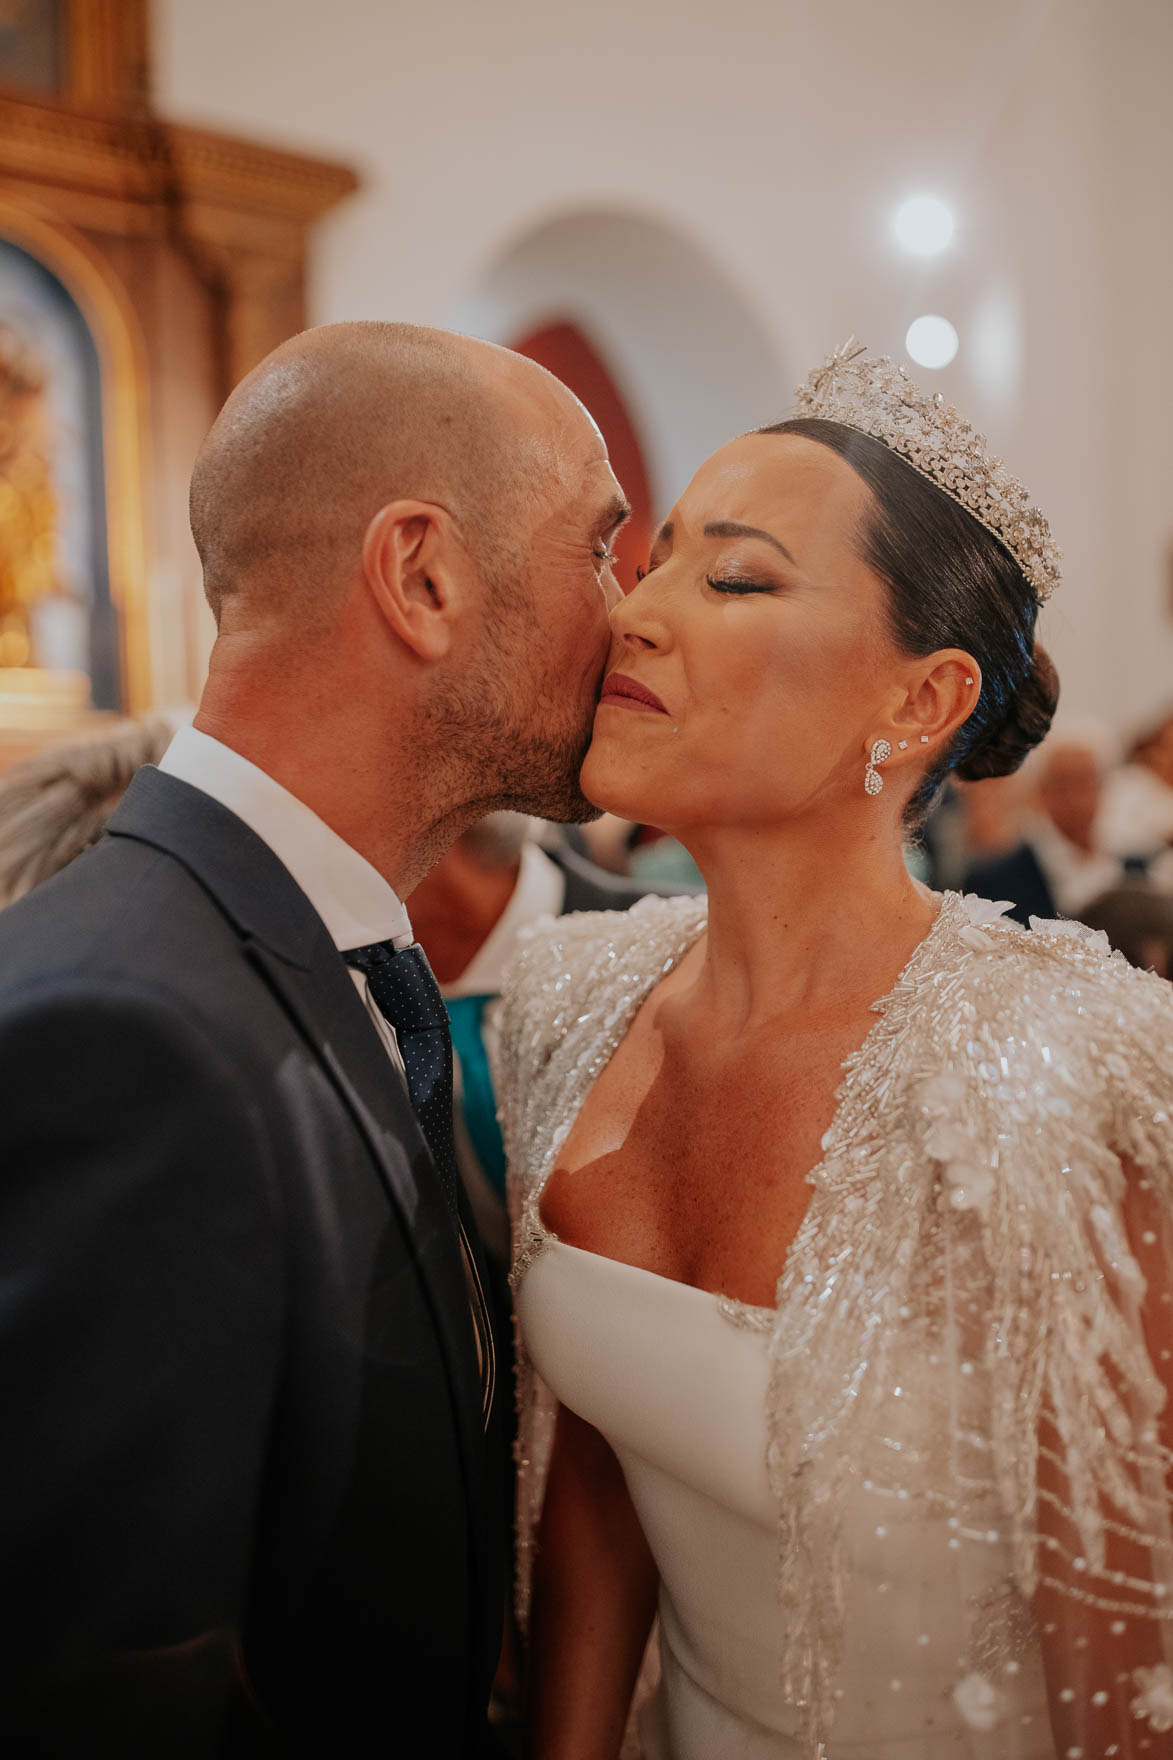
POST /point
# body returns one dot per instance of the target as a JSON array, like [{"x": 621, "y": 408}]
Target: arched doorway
[{"x": 690, "y": 358}]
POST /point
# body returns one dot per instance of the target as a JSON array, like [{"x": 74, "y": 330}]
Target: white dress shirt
[
  {"x": 1136, "y": 818},
  {"x": 540, "y": 891},
  {"x": 353, "y": 900}
]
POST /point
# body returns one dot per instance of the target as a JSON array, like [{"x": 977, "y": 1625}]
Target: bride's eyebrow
[{"x": 730, "y": 528}]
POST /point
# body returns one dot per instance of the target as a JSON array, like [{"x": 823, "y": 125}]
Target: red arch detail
[{"x": 564, "y": 351}]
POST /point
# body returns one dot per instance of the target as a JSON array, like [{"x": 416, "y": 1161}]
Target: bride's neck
[{"x": 800, "y": 919}]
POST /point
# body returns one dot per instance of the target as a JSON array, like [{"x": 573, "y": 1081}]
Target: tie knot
[{"x": 402, "y": 984}]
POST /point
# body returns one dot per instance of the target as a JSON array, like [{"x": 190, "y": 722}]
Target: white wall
[
  {"x": 770, "y": 139},
  {"x": 695, "y": 363}
]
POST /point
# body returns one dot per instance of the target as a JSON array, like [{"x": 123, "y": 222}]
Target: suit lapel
[
  {"x": 285, "y": 940},
  {"x": 329, "y": 1012}
]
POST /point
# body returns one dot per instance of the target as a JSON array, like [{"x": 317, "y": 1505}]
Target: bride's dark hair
[{"x": 951, "y": 585}]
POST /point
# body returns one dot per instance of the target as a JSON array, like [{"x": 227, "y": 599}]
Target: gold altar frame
[
  {"x": 108, "y": 58},
  {"x": 112, "y": 323},
  {"x": 185, "y": 251}
]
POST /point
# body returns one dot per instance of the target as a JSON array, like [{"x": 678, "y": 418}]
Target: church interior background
[{"x": 677, "y": 207}]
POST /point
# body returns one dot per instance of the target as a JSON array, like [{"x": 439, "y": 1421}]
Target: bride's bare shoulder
[
  {"x": 561, "y": 959},
  {"x": 573, "y": 975}
]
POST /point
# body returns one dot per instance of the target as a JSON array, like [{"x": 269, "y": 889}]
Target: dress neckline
[
  {"x": 747, "y": 1314},
  {"x": 535, "y": 1237}
]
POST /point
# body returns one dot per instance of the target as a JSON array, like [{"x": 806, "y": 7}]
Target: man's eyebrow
[
  {"x": 616, "y": 513},
  {"x": 729, "y": 528},
  {"x": 664, "y": 535}
]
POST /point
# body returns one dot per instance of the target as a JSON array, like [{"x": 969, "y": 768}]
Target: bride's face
[{"x": 764, "y": 638}]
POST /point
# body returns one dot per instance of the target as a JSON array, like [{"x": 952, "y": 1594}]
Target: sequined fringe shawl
[{"x": 980, "y": 1135}]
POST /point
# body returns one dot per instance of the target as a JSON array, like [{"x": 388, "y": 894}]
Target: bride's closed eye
[
  {"x": 722, "y": 583},
  {"x": 733, "y": 584}
]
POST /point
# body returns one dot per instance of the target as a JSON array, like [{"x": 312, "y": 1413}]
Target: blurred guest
[
  {"x": 56, "y": 803},
  {"x": 663, "y": 861},
  {"x": 641, "y": 852},
  {"x": 1137, "y": 817},
  {"x": 1059, "y": 865},
  {"x": 968, "y": 823},
  {"x": 992, "y": 813},
  {"x": 606, "y": 841},
  {"x": 1139, "y": 923},
  {"x": 467, "y": 915}
]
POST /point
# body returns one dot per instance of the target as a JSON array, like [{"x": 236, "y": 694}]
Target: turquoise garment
[{"x": 465, "y": 1014}]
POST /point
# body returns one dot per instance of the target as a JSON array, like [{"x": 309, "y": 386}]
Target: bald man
[{"x": 247, "y": 1497}]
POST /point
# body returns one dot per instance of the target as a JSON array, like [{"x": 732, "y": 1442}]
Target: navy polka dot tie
[{"x": 408, "y": 996}]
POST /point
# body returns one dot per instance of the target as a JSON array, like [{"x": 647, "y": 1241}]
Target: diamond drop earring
[{"x": 873, "y": 782}]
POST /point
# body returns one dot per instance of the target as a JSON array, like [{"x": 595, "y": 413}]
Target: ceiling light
[
  {"x": 931, "y": 341},
  {"x": 924, "y": 225}
]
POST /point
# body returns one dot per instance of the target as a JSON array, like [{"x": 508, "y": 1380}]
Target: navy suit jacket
[
  {"x": 247, "y": 1504},
  {"x": 1018, "y": 877}
]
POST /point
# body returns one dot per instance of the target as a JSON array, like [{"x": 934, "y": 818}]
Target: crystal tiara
[{"x": 878, "y": 398}]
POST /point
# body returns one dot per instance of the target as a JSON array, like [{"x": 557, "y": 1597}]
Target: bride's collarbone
[
  {"x": 698, "y": 1175},
  {"x": 759, "y": 1105}
]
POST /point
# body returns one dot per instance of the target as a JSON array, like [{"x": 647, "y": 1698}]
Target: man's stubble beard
[{"x": 511, "y": 749}]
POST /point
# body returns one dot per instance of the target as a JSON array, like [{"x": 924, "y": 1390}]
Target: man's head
[
  {"x": 1069, "y": 784},
  {"x": 1154, "y": 749},
  {"x": 406, "y": 537}
]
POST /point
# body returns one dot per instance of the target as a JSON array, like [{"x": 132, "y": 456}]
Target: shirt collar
[
  {"x": 539, "y": 892},
  {"x": 352, "y": 898}
]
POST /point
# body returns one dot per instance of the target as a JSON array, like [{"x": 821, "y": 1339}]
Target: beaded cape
[{"x": 968, "y": 1236}]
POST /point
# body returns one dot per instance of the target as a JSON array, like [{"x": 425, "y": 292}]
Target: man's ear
[{"x": 415, "y": 570}]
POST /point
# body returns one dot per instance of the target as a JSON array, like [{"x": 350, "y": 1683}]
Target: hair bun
[{"x": 1027, "y": 723}]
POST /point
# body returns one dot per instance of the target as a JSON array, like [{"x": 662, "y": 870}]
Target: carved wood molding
[
  {"x": 202, "y": 239},
  {"x": 237, "y": 210},
  {"x": 140, "y": 158},
  {"x": 94, "y": 152},
  {"x": 243, "y": 175}
]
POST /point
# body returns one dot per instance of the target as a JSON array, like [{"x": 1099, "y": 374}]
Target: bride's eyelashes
[
  {"x": 723, "y": 583},
  {"x": 730, "y": 584}
]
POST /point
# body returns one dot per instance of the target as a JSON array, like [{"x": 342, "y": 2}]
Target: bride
[{"x": 885, "y": 1444}]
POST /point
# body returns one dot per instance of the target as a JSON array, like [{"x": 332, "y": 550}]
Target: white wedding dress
[
  {"x": 679, "y": 1391},
  {"x": 840, "y": 1494}
]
